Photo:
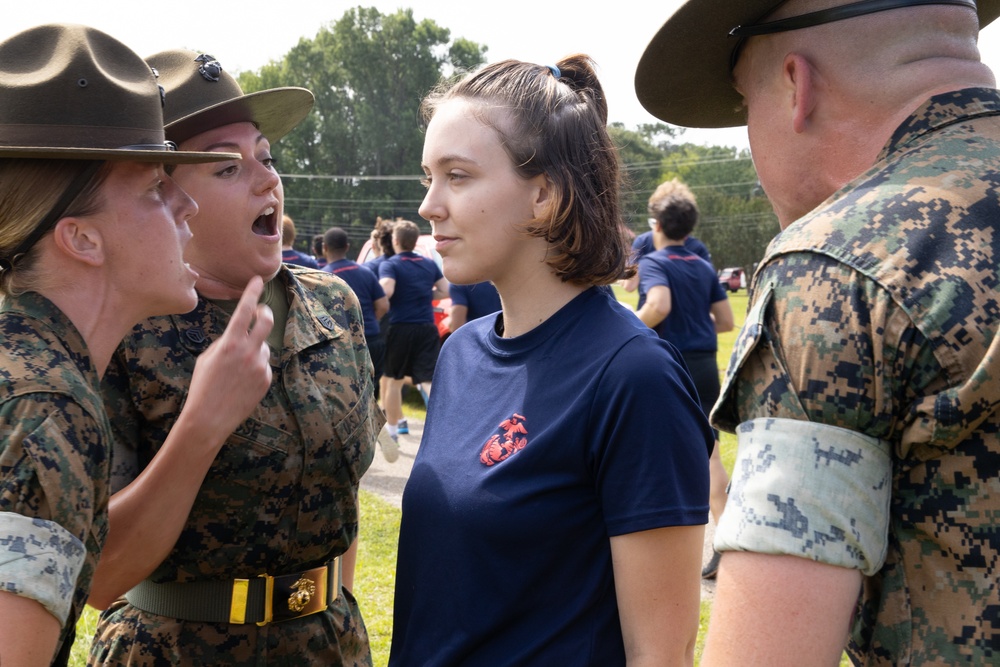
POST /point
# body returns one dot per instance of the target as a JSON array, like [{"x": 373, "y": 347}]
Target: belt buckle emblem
[{"x": 304, "y": 589}]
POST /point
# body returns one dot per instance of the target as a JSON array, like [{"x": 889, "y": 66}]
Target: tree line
[{"x": 357, "y": 156}]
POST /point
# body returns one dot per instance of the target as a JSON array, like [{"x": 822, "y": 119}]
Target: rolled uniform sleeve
[
  {"x": 814, "y": 395},
  {"x": 836, "y": 511},
  {"x": 52, "y": 500},
  {"x": 40, "y": 560}
]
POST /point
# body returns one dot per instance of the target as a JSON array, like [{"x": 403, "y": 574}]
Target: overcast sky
[{"x": 247, "y": 34}]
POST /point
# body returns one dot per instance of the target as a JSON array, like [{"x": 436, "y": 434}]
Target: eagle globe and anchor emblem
[
  {"x": 514, "y": 439},
  {"x": 304, "y": 589}
]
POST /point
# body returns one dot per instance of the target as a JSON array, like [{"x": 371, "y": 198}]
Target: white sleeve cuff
[
  {"x": 811, "y": 490},
  {"x": 40, "y": 560}
]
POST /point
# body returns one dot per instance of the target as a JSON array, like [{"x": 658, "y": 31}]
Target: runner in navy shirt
[
  {"x": 411, "y": 282},
  {"x": 645, "y": 243},
  {"x": 470, "y": 302},
  {"x": 290, "y": 255},
  {"x": 365, "y": 285},
  {"x": 687, "y": 307},
  {"x": 689, "y": 321},
  {"x": 317, "y": 248}
]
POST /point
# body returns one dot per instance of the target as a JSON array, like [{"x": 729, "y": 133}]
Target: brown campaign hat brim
[
  {"x": 115, "y": 155},
  {"x": 200, "y": 95},
  {"x": 275, "y": 112},
  {"x": 683, "y": 77},
  {"x": 72, "y": 92}
]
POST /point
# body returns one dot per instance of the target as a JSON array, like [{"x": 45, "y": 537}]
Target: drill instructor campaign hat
[
  {"x": 72, "y": 92},
  {"x": 201, "y": 96},
  {"x": 684, "y": 76}
]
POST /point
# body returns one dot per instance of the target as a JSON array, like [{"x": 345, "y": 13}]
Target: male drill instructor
[{"x": 865, "y": 385}]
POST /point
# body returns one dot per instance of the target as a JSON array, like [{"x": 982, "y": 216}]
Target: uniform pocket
[{"x": 247, "y": 487}]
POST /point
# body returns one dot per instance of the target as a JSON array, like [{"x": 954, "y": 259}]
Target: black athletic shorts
[
  {"x": 411, "y": 349},
  {"x": 704, "y": 371},
  {"x": 376, "y": 349}
]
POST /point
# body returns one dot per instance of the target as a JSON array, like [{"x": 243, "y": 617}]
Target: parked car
[
  {"x": 425, "y": 247},
  {"x": 733, "y": 279}
]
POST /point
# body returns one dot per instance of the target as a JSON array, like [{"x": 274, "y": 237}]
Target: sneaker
[
  {"x": 389, "y": 444},
  {"x": 712, "y": 568},
  {"x": 402, "y": 427}
]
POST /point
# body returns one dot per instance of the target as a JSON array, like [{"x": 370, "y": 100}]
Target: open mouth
[{"x": 266, "y": 224}]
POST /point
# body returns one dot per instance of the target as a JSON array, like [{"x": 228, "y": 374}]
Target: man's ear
[
  {"x": 80, "y": 240},
  {"x": 800, "y": 79}
]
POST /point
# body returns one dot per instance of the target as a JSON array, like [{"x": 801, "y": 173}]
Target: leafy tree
[
  {"x": 737, "y": 221},
  {"x": 357, "y": 155},
  {"x": 642, "y": 152}
]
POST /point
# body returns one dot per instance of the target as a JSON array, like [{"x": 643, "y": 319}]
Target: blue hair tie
[{"x": 555, "y": 71}]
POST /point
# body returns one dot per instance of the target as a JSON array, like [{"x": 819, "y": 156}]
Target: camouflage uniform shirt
[
  {"x": 53, "y": 459},
  {"x": 864, "y": 389},
  {"x": 281, "y": 495}
]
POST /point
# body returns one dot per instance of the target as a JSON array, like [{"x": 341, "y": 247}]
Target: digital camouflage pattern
[
  {"x": 282, "y": 494},
  {"x": 881, "y": 314},
  {"x": 845, "y": 473},
  {"x": 53, "y": 459}
]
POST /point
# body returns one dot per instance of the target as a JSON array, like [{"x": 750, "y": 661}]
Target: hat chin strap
[
  {"x": 830, "y": 15},
  {"x": 55, "y": 214}
]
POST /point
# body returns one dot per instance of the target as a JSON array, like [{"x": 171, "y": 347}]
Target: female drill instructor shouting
[
  {"x": 91, "y": 236},
  {"x": 251, "y": 519}
]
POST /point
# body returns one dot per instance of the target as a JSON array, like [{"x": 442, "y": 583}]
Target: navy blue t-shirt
[
  {"x": 415, "y": 276},
  {"x": 643, "y": 245},
  {"x": 292, "y": 256},
  {"x": 365, "y": 286},
  {"x": 481, "y": 299},
  {"x": 374, "y": 263},
  {"x": 694, "y": 287},
  {"x": 535, "y": 451}
]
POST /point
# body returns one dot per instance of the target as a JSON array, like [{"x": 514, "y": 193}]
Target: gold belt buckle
[
  {"x": 302, "y": 594},
  {"x": 289, "y": 596}
]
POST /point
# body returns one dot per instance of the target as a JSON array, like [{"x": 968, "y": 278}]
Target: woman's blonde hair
[{"x": 29, "y": 189}]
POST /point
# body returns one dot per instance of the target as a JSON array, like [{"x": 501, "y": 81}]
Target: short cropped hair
[
  {"x": 674, "y": 206},
  {"x": 287, "y": 230},
  {"x": 556, "y": 125},
  {"x": 405, "y": 233},
  {"x": 335, "y": 238}
]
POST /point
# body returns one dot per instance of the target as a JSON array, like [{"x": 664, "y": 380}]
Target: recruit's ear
[{"x": 545, "y": 197}]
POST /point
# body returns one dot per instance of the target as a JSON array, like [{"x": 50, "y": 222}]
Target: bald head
[
  {"x": 879, "y": 40},
  {"x": 824, "y": 100}
]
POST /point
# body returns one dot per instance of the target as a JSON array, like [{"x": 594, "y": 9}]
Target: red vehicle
[
  {"x": 732, "y": 279},
  {"x": 425, "y": 247}
]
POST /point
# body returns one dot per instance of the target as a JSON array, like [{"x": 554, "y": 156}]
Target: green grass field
[{"x": 375, "y": 575}]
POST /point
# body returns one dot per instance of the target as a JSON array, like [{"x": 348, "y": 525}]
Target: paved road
[{"x": 388, "y": 479}]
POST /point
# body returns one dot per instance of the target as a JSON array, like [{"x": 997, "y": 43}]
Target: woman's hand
[{"x": 233, "y": 374}]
